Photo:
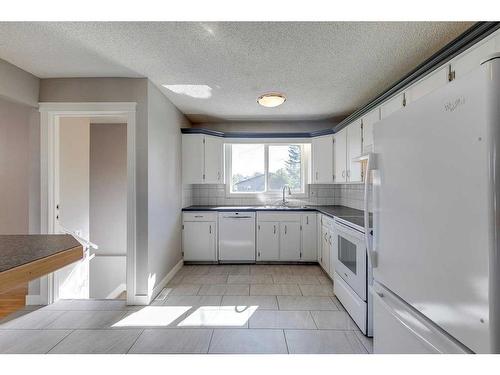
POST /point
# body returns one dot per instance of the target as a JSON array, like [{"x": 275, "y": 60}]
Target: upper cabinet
[
  {"x": 202, "y": 159},
  {"x": 347, "y": 149},
  {"x": 392, "y": 105},
  {"x": 428, "y": 84},
  {"x": 368, "y": 121},
  {"x": 341, "y": 156},
  {"x": 470, "y": 60},
  {"x": 322, "y": 160},
  {"x": 354, "y": 151}
]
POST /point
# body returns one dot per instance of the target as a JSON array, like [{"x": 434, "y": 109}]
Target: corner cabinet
[
  {"x": 326, "y": 246},
  {"x": 322, "y": 160},
  {"x": 202, "y": 159},
  {"x": 199, "y": 236}
]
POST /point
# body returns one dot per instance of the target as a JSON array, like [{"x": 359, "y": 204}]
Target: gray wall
[
  {"x": 116, "y": 90},
  {"x": 19, "y": 187},
  {"x": 18, "y": 85},
  {"x": 108, "y": 187},
  {"x": 108, "y": 208},
  {"x": 165, "y": 186},
  {"x": 159, "y": 181}
]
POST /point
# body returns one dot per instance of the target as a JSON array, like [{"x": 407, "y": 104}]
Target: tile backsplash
[{"x": 350, "y": 195}]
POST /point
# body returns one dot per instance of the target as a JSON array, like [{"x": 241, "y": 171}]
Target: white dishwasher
[{"x": 237, "y": 237}]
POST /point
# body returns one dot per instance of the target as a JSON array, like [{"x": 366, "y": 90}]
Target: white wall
[
  {"x": 108, "y": 209},
  {"x": 164, "y": 185}
]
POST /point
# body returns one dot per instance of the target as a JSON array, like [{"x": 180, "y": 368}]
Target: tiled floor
[{"x": 204, "y": 309}]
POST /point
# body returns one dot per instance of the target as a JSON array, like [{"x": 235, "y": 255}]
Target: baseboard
[
  {"x": 144, "y": 300},
  {"x": 158, "y": 288},
  {"x": 34, "y": 300}
]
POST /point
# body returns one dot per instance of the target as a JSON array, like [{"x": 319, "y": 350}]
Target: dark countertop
[
  {"x": 16, "y": 250},
  {"x": 351, "y": 215}
]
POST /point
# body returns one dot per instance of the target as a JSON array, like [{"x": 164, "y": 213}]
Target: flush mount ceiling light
[{"x": 271, "y": 99}]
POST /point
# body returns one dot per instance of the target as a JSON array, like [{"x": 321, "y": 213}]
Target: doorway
[{"x": 92, "y": 205}]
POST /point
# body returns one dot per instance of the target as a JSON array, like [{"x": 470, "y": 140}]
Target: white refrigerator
[{"x": 436, "y": 191}]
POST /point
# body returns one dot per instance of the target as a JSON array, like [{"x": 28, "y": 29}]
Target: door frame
[{"x": 50, "y": 113}]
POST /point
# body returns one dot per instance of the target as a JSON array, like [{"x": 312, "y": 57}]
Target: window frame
[{"x": 267, "y": 193}]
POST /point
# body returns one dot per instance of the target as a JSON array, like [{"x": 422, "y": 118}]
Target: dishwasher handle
[{"x": 237, "y": 217}]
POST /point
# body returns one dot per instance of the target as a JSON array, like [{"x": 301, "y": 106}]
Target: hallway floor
[{"x": 204, "y": 309}]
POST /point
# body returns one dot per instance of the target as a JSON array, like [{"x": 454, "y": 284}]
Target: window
[
  {"x": 265, "y": 168},
  {"x": 247, "y": 172}
]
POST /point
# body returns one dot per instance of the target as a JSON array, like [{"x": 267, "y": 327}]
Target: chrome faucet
[{"x": 284, "y": 202}]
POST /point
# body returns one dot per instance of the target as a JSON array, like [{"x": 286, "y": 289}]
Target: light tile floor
[{"x": 204, "y": 309}]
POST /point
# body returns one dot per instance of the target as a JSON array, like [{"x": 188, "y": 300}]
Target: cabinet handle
[
  {"x": 343, "y": 173},
  {"x": 348, "y": 173},
  {"x": 317, "y": 174},
  {"x": 307, "y": 220},
  {"x": 330, "y": 240},
  {"x": 210, "y": 229},
  {"x": 285, "y": 229},
  {"x": 218, "y": 176},
  {"x": 274, "y": 229}
]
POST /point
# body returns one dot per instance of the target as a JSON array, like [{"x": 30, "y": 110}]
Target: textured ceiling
[{"x": 217, "y": 70}]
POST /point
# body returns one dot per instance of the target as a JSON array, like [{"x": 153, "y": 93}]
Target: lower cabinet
[
  {"x": 268, "y": 240},
  {"x": 199, "y": 236},
  {"x": 290, "y": 241},
  {"x": 309, "y": 237},
  {"x": 287, "y": 236}
]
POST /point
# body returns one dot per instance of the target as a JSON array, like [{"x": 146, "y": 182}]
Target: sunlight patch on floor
[
  {"x": 228, "y": 316},
  {"x": 153, "y": 316}
]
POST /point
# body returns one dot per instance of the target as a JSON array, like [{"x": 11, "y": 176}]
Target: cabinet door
[
  {"x": 354, "y": 151},
  {"x": 214, "y": 160},
  {"x": 309, "y": 237},
  {"x": 368, "y": 121},
  {"x": 472, "y": 58},
  {"x": 391, "y": 106},
  {"x": 325, "y": 249},
  {"x": 268, "y": 241},
  {"x": 322, "y": 160},
  {"x": 290, "y": 241},
  {"x": 340, "y": 156},
  {"x": 332, "y": 241},
  {"x": 198, "y": 241},
  {"x": 428, "y": 84},
  {"x": 192, "y": 158}
]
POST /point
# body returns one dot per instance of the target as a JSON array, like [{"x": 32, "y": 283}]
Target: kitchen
[{"x": 268, "y": 204}]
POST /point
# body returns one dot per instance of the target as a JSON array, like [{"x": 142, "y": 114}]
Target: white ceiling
[{"x": 326, "y": 70}]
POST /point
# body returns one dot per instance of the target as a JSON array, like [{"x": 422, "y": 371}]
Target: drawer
[
  {"x": 279, "y": 216},
  {"x": 199, "y": 216}
]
